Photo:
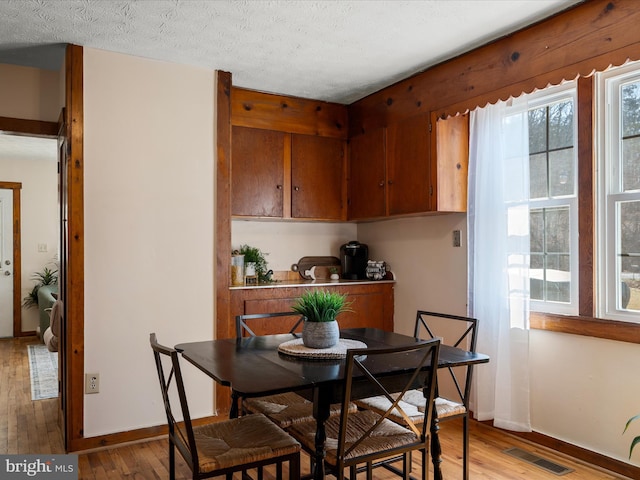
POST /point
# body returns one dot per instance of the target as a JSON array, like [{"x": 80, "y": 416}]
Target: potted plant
[
  {"x": 47, "y": 276},
  {"x": 636, "y": 440},
  {"x": 320, "y": 309},
  {"x": 255, "y": 256},
  {"x": 334, "y": 273}
]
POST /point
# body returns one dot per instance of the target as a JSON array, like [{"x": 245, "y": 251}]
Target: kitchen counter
[
  {"x": 372, "y": 302},
  {"x": 311, "y": 283}
]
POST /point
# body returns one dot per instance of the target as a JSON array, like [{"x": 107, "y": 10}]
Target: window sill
[{"x": 587, "y": 326}]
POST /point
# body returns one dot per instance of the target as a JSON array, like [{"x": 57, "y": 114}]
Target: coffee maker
[{"x": 353, "y": 258}]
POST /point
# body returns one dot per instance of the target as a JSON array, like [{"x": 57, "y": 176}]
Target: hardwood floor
[{"x": 28, "y": 426}]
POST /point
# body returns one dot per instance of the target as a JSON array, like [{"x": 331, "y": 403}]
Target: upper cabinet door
[
  {"x": 408, "y": 166},
  {"x": 317, "y": 177},
  {"x": 367, "y": 176},
  {"x": 449, "y": 163},
  {"x": 257, "y": 172}
]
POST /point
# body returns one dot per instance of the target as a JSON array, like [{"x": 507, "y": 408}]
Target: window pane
[
  {"x": 550, "y": 262},
  {"x": 536, "y": 273},
  {"x": 538, "y": 130},
  {"x": 538, "y": 176},
  {"x": 561, "y": 174},
  {"x": 629, "y": 231},
  {"x": 631, "y": 164},
  {"x": 536, "y": 231},
  {"x": 558, "y": 279},
  {"x": 557, "y": 230},
  {"x": 631, "y": 109},
  {"x": 561, "y": 125}
]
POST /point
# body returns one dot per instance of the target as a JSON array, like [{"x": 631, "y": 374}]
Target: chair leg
[
  {"x": 172, "y": 460},
  {"x": 279, "y": 470},
  {"x": 465, "y": 447},
  {"x": 294, "y": 467},
  {"x": 369, "y": 471}
]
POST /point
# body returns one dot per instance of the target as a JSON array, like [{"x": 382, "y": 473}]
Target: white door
[{"x": 6, "y": 263}]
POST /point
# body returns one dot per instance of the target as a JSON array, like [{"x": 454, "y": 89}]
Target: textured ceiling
[{"x": 336, "y": 50}]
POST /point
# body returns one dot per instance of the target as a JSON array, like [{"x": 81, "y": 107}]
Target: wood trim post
[
  {"x": 222, "y": 216},
  {"x": 74, "y": 282}
]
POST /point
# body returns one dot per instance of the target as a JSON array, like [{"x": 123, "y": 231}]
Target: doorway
[{"x": 29, "y": 218}]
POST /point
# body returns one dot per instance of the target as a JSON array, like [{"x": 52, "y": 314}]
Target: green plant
[
  {"x": 636, "y": 440},
  {"x": 321, "y": 305},
  {"x": 333, "y": 270},
  {"x": 255, "y": 255},
  {"x": 47, "y": 276}
]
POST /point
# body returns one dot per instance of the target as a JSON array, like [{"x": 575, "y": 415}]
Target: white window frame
[
  {"x": 609, "y": 189},
  {"x": 548, "y": 96}
]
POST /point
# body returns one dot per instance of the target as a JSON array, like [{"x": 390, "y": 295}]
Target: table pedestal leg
[
  {"x": 233, "y": 412},
  {"x": 321, "y": 407},
  {"x": 436, "y": 450}
]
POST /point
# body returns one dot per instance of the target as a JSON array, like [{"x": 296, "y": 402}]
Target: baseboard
[
  {"x": 579, "y": 453},
  {"x": 131, "y": 436}
]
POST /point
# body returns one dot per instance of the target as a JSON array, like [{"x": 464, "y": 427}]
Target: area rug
[{"x": 43, "y": 369}]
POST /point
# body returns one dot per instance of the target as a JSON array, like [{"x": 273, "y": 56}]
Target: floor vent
[{"x": 541, "y": 462}]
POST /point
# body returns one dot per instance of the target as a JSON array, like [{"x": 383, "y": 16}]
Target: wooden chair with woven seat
[
  {"x": 219, "y": 448},
  {"x": 368, "y": 438},
  {"x": 455, "y": 404},
  {"x": 286, "y": 408}
]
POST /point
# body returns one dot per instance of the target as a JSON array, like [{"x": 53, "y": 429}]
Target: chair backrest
[
  {"x": 243, "y": 329},
  {"x": 181, "y": 433},
  {"x": 415, "y": 363},
  {"x": 461, "y": 333}
]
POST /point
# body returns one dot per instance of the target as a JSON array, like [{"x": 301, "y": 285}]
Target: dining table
[{"x": 255, "y": 367}]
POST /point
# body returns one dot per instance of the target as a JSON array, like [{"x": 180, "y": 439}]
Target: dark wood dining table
[{"x": 253, "y": 367}]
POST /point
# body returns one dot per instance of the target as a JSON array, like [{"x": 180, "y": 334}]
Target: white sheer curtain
[{"x": 498, "y": 226}]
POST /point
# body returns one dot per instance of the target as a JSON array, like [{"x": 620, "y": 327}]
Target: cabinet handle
[
  {"x": 279, "y": 187},
  {"x": 381, "y": 184},
  {"x": 296, "y": 188},
  {"x": 390, "y": 182}
]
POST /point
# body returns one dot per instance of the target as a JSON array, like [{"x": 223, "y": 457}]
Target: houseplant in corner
[
  {"x": 320, "y": 309},
  {"x": 636, "y": 440}
]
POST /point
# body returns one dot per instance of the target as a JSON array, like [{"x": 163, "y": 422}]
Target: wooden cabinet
[
  {"x": 449, "y": 163},
  {"x": 417, "y": 165},
  {"x": 408, "y": 166},
  {"x": 317, "y": 177},
  {"x": 283, "y": 175},
  {"x": 372, "y": 304},
  {"x": 257, "y": 172},
  {"x": 367, "y": 178}
]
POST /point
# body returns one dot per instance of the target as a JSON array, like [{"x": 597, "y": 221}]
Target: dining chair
[
  {"x": 368, "y": 438},
  {"x": 457, "y": 331},
  {"x": 287, "y": 408},
  {"x": 219, "y": 448}
]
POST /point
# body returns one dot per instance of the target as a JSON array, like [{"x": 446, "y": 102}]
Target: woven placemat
[{"x": 297, "y": 349}]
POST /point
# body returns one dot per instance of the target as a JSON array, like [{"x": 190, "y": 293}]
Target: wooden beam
[
  {"x": 592, "y": 35},
  {"x": 223, "y": 212},
  {"x": 74, "y": 282},
  {"x": 33, "y": 128},
  {"x": 288, "y": 114}
]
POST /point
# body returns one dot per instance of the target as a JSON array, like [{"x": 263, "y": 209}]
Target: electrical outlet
[{"x": 91, "y": 382}]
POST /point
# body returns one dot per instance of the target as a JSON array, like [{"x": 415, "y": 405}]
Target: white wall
[
  {"x": 39, "y": 216},
  {"x": 287, "y": 242},
  {"x": 149, "y": 222},
  {"x": 30, "y": 93},
  {"x": 430, "y": 272},
  {"x": 583, "y": 389}
]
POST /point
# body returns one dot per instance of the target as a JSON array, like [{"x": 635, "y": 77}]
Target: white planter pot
[{"x": 320, "y": 334}]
